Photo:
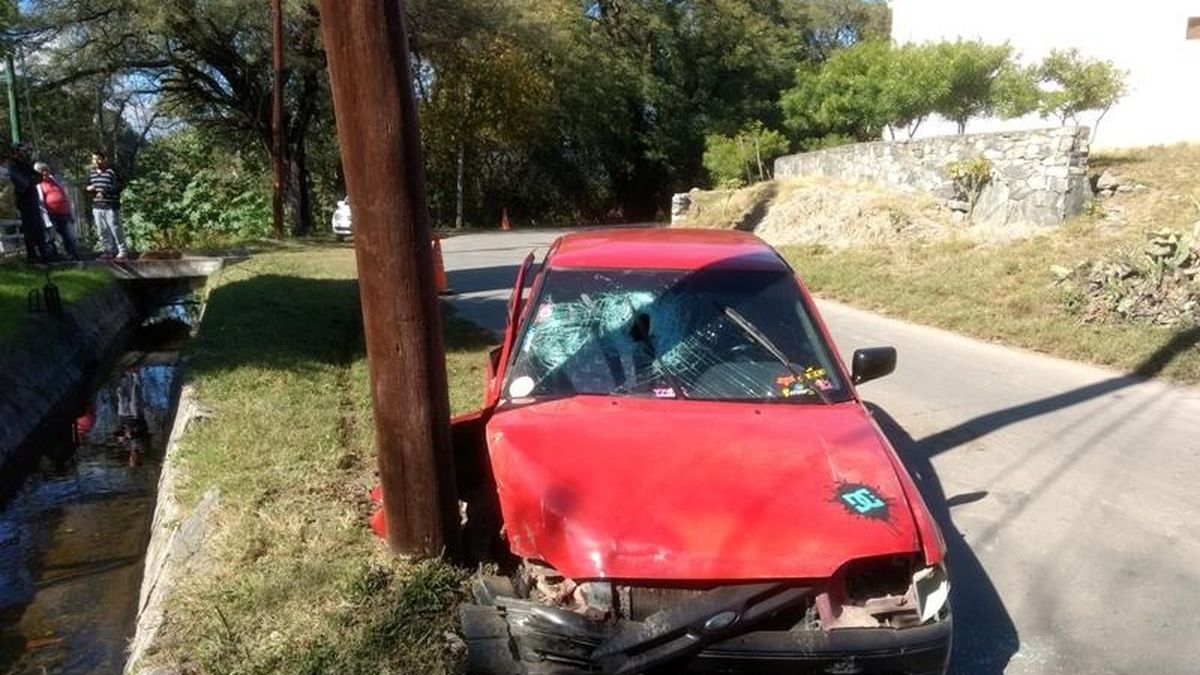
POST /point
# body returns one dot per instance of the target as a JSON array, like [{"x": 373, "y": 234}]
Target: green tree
[
  {"x": 845, "y": 95},
  {"x": 972, "y": 69},
  {"x": 830, "y": 25},
  {"x": 743, "y": 158},
  {"x": 914, "y": 85},
  {"x": 1015, "y": 91},
  {"x": 1078, "y": 83}
]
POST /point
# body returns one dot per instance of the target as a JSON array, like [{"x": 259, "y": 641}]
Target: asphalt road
[{"x": 1069, "y": 494}]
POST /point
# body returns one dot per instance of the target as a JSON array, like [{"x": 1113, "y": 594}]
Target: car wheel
[{"x": 340, "y": 237}]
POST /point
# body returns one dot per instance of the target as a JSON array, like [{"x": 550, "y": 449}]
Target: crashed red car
[{"x": 687, "y": 479}]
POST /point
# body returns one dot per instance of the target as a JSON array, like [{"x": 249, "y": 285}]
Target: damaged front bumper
[{"x": 729, "y": 629}]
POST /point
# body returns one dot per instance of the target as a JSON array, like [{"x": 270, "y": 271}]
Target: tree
[
  {"x": 746, "y": 157},
  {"x": 1015, "y": 92},
  {"x": 914, "y": 84},
  {"x": 972, "y": 69},
  {"x": 1077, "y": 84},
  {"x": 831, "y": 25},
  {"x": 845, "y": 95},
  {"x": 206, "y": 63}
]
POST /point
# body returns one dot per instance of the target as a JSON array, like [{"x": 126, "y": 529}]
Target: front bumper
[
  {"x": 923, "y": 650},
  {"x": 510, "y": 636}
]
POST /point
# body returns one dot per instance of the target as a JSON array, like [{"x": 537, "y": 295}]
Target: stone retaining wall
[
  {"x": 1038, "y": 177},
  {"x": 50, "y": 359}
]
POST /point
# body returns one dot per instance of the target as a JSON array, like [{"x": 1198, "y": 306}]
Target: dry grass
[
  {"x": 293, "y": 581},
  {"x": 1005, "y": 291},
  {"x": 735, "y": 209}
]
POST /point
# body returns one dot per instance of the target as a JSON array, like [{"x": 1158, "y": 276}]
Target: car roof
[{"x": 663, "y": 248}]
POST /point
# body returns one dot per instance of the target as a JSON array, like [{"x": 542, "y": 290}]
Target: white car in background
[{"x": 341, "y": 223}]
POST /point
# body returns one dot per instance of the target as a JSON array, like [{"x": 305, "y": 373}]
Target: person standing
[
  {"x": 24, "y": 180},
  {"x": 56, "y": 209},
  {"x": 106, "y": 205}
]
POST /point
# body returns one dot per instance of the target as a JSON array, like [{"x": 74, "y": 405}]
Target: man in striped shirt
[{"x": 106, "y": 205}]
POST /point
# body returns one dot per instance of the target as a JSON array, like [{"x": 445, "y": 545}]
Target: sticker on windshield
[
  {"x": 544, "y": 313},
  {"x": 790, "y": 385},
  {"x": 521, "y": 387},
  {"x": 863, "y": 500},
  {"x": 664, "y": 392}
]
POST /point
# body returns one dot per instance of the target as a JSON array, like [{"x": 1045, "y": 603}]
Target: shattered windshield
[{"x": 713, "y": 334}]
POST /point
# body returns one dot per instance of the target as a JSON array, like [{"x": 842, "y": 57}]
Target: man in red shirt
[{"x": 57, "y": 212}]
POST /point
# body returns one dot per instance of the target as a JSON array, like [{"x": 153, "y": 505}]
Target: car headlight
[{"x": 932, "y": 587}]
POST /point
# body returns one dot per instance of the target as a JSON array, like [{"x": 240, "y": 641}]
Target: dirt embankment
[{"x": 834, "y": 213}]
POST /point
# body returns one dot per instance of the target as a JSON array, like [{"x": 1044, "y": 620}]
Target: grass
[
  {"x": 293, "y": 581},
  {"x": 17, "y": 279},
  {"x": 1005, "y": 291}
]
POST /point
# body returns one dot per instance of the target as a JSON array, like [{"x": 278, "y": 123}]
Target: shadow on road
[
  {"x": 481, "y": 279},
  {"x": 983, "y": 425},
  {"x": 985, "y": 637}
]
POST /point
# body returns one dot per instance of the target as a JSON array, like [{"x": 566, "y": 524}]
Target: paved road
[{"x": 1069, "y": 495}]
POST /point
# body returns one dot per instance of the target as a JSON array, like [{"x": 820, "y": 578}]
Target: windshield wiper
[{"x": 763, "y": 341}]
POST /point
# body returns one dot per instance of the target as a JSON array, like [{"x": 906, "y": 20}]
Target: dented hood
[{"x": 634, "y": 488}]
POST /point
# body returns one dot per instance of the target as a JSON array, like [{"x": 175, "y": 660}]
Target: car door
[{"x": 499, "y": 357}]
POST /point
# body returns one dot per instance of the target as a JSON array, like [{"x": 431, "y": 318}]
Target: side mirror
[{"x": 872, "y": 363}]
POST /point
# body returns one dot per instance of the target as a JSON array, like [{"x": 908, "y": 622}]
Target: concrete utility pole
[
  {"x": 366, "y": 44},
  {"x": 277, "y": 140}
]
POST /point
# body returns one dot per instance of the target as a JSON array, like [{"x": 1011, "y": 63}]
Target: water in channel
[{"x": 74, "y": 529}]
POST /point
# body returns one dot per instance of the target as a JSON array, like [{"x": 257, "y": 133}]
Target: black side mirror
[{"x": 872, "y": 363}]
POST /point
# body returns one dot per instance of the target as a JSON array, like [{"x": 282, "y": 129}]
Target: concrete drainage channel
[{"x": 91, "y": 403}]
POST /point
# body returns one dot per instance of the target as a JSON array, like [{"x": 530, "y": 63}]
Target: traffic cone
[
  {"x": 439, "y": 269},
  {"x": 504, "y": 224},
  {"x": 378, "y": 524},
  {"x": 378, "y": 521}
]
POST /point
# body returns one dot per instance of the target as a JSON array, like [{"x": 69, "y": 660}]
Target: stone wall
[{"x": 1038, "y": 177}]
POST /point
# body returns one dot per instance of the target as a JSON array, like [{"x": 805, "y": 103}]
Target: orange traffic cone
[
  {"x": 504, "y": 224},
  {"x": 378, "y": 523},
  {"x": 439, "y": 269}
]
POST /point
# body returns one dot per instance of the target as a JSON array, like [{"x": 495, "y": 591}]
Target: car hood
[{"x": 629, "y": 488}]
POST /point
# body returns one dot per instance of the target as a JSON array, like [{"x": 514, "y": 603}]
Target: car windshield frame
[{"x": 836, "y": 385}]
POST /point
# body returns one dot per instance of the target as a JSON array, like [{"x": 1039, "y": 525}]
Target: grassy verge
[
  {"x": 294, "y": 582},
  {"x": 1006, "y": 291},
  {"x": 17, "y": 279}
]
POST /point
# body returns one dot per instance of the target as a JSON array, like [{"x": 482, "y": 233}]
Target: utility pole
[
  {"x": 279, "y": 150},
  {"x": 10, "y": 78},
  {"x": 366, "y": 45}
]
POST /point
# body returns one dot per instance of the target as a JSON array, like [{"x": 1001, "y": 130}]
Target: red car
[{"x": 687, "y": 480}]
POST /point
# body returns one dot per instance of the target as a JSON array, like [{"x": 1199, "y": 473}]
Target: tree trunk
[
  {"x": 758, "y": 156},
  {"x": 298, "y": 191},
  {"x": 458, "y": 188},
  {"x": 743, "y": 162}
]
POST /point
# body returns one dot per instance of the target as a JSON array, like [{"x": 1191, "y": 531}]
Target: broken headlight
[
  {"x": 932, "y": 588},
  {"x": 885, "y": 592}
]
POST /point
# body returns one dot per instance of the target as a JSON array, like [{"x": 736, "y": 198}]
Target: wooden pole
[
  {"x": 278, "y": 142},
  {"x": 366, "y": 45}
]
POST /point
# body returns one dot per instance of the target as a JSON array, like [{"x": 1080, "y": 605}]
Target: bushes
[
  {"x": 733, "y": 161},
  {"x": 1156, "y": 284},
  {"x": 190, "y": 194}
]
